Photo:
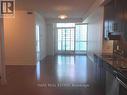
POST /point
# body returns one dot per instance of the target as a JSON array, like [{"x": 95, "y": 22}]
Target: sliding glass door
[
  {"x": 71, "y": 38},
  {"x": 66, "y": 40}
]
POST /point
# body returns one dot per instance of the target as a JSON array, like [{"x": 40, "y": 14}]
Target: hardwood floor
[{"x": 56, "y": 75}]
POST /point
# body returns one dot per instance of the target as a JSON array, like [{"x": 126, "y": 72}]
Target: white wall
[
  {"x": 52, "y": 30},
  {"x": 20, "y": 39},
  {"x": 2, "y": 54},
  {"x": 43, "y": 35},
  {"x": 51, "y": 39},
  {"x": 95, "y": 20},
  {"x": 95, "y": 31},
  {"x": 1, "y": 30}
]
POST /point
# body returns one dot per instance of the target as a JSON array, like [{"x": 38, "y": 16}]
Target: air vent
[
  {"x": 105, "y": 2},
  {"x": 29, "y": 13}
]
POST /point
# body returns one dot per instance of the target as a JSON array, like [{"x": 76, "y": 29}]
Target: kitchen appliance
[
  {"x": 122, "y": 81},
  {"x": 122, "y": 87}
]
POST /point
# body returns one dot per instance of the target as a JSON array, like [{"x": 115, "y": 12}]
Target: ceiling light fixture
[{"x": 62, "y": 16}]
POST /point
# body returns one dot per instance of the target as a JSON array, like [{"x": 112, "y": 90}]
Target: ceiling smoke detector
[{"x": 62, "y": 16}]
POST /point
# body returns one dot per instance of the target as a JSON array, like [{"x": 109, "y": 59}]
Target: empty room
[{"x": 63, "y": 47}]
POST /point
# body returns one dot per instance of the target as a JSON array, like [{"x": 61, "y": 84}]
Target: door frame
[
  {"x": 70, "y": 52},
  {"x": 65, "y": 51}
]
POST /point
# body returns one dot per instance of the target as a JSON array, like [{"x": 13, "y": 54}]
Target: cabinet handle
[
  {"x": 115, "y": 72},
  {"x": 122, "y": 83}
]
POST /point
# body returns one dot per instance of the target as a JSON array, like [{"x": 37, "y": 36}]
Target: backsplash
[
  {"x": 118, "y": 48},
  {"x": 107, "y": 46}
]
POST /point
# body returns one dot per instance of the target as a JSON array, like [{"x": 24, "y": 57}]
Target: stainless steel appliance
[{"x": 122, "y": 86}]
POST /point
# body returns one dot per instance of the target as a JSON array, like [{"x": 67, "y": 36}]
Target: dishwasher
[
  {"x": 122, "y": 87},
  {"x": 112, "y": 84}
]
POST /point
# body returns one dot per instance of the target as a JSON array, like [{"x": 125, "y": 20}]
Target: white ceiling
[{"x": 52, "y": 8}]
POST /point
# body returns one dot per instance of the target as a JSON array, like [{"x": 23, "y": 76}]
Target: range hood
[{"x": 114, "y": 35}]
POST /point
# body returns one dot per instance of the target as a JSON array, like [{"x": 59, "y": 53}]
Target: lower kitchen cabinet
[
  {"x": 105, "y": 77},
  {"x": 100, "y": 74}
]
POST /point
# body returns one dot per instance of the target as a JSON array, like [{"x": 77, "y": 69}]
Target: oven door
[{"x": 122, "y": 87}]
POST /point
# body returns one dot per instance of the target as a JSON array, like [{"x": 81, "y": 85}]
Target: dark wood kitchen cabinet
[
  {"x": 100, "y": 73},
  {"x": 108, "y": 18},
  {"x": 113, "y": 19},
  {"x": 118, "y": 18},
  {"x": 105, "y": 77},
  {"x": 97, "y": 70},
  {"x": 115, "y": 25},
  {"x": 124, "y": 20}
]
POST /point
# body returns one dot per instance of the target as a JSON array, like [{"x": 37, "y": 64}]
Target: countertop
[{"x": 116, "y": 63}]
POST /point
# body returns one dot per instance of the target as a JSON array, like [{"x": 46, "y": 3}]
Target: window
[
  {"x": 71, "y": 37},
  {"x": 81, "y": 37}
]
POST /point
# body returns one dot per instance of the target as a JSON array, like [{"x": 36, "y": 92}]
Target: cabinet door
[
  {"x": 125, "y": 21},
  {"x": 97, "y": 70},
  {"x": 109, "y": 18},
  {"x": 118, "y": 10},
  {"x": 103, "y": 77},
  {"x": 106, "y": 20},
  {"x": 112, "y": 84}
]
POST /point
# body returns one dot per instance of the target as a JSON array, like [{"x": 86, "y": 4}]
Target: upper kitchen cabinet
[
  {"x": 113, "y": 15},
  {"x": 118, "y": 22},
  {"x": 124, "y": 35},
  {"x": 108, "y": 19}
]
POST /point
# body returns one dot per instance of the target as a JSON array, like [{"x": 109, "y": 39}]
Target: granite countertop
[{"x": 115, "y": 63}]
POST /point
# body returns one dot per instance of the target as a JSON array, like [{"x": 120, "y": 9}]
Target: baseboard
[{"x": 21, "y": 63}]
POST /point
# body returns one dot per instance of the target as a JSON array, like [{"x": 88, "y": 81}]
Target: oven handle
[{"x": 122, "y": 83}]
